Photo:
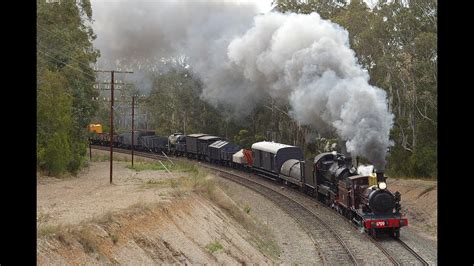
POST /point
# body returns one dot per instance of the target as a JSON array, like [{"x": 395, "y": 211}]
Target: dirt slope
[
  {"x": 148, "y": 217},
  {"x": 180, "y": 232},
  {"x": 419, "y": 203}
]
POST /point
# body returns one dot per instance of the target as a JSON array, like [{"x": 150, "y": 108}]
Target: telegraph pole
[
  {"x": 133, "y": 127},
  {"x": 112, "y": 82}
]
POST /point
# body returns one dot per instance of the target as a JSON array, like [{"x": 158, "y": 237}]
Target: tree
[
  {"x": 175, "y": 106},
  {"x": 64, "y": 47},
  {"x": 53, "y": 130}
]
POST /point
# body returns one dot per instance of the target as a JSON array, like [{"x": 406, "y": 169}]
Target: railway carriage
[
  {"x": 203, "y": 146},
  {"x": 221, "y": 152},
  {"x": 154, "y": 143},
  {"x": 192, "y": 145},
  {"x": 268, "y": 157}
]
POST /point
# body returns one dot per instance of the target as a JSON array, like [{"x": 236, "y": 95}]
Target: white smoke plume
[
  {"x": 308, "y": 60},
  {"x": 241, "y": 56}
]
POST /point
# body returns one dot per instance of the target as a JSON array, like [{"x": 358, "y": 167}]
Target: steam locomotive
[
  {"x": 363, "y": 199},
  {"x": 330, "y": 177}
]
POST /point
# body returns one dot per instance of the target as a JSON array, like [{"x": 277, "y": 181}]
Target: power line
[
  {"x": 65, "y": 55},
  {"x": 65, "y": 48},
  {"x": 66, "y": 64},
  {"x": 70, "y": 44}
]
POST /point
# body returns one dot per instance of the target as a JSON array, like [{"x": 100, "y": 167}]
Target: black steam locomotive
[
  {"x": 330, "y": 177},
  {"x": 363, "y": 199}
]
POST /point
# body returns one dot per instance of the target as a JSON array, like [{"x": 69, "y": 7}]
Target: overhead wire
[
  {"x": 66, "y": 49},
  {"x": 66, "y": 64}
]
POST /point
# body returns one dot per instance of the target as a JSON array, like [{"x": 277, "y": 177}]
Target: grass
[
  {"x": 50, "y": 230},
  {"x": 86, "y": 238},
  {"x": 247, "y": 209},
  {"x": 214, "y": 246},
  {"x": 184, "y": 167},
  {"x": 103, "y": 219},
  {"x": 117, "y": 158},
  {"x": 156, "y": 166},
  {"x": 413, "y": 178},
  {"x": 188, "y": 178}
]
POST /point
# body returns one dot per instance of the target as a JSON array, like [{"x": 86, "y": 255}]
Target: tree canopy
[{"x": 64, "y": 84}]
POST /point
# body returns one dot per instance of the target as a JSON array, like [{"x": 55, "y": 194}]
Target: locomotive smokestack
[{"x": 380, "y": 176}]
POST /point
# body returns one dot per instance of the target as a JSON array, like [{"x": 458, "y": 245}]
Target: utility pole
[
  {"x": 133, "y": 125},
  {"x": 112, "y": 82}
]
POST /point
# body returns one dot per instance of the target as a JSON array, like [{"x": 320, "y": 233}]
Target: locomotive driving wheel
[
  {"x": 373, "y": 232},
  {"x": 396, "y": 233}
]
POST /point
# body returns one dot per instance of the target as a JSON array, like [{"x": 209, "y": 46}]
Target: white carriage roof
[
  {"x": 268, "y": 146},
  {"x": 207, "y": 137},
  {"x": 197, "y": 135},
  {"x": 218, "y": 144}
]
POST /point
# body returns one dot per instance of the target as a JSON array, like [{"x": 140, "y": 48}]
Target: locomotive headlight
[{"x": 382, "y": 185}]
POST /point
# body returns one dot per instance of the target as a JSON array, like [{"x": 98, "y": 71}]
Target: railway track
[
  {"x": 328, "y": 241},
  {"x": 384, "y": 245},
  {"x": 324, "y": 236},
  {"x": 404, "y": 252}
]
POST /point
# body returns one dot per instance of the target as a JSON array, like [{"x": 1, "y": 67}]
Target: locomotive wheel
[
  {"x": 373, "y": 233},
  {"x": 396, "y": 233},
  {"x": 349, "y": 215}
]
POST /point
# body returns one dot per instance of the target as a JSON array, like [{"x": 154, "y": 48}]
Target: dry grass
[
  {"x": 411, "y": 178},
  {"x": 261, "y": 235},
  {"x": 214, "y": 246},
  {"x": 156, "y": 166},
  {"x": 50, "y": 230}
]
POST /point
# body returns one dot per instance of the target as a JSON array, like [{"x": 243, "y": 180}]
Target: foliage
[
  {"x": 174, "y": 106},
  {"x": 65, "y": 84},
  {"x": 53, "y": 130},
  {"x": 214, "y": 246}
]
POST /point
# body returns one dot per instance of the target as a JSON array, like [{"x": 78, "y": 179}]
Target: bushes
[
  {"x": 422, "y": 163},
  {"x": 53, "y": 125},
  {"x": 54, "y": 157}
]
